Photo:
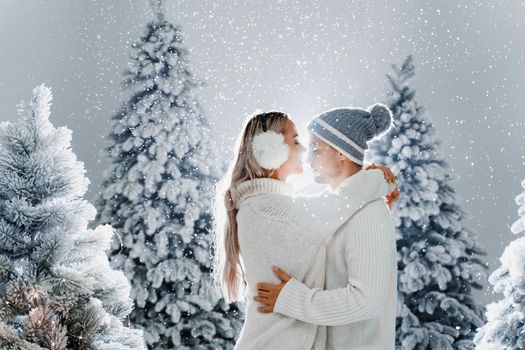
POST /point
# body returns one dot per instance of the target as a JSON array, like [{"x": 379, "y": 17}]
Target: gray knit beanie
[{"x": 349, "y": 129}]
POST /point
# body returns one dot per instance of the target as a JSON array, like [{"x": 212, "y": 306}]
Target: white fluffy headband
[{"x": 269, "y": 149}]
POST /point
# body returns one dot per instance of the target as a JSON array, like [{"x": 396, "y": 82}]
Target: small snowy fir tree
[
  {"x": 505, "y": 328},
  {"x": 439, "y": 260},
  {"x": 157, "y": 194},
  {"x": 57, "y": 289}
]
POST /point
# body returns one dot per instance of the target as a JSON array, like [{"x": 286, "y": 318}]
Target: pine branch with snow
[
  {"x": 505, "y": 327},
  {"x": 439, "y": 260},
  {"x": 57, "y": 289},
  {"x": 157, "y": 193}
]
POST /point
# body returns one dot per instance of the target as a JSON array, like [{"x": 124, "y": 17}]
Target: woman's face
[{"x": 294, "y": 163}]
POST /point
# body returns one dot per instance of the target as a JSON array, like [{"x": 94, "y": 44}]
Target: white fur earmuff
[{"x": 270, "y": 150}]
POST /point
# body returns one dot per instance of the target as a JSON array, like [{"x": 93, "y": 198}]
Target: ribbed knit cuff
[{"x": 289, "y": 300}]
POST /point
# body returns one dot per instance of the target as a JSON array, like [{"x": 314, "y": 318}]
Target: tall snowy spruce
[
  {"x": 57, "y": 289},
  {"x": 439, "y": 260},
  {"x": 157, "y": 194},
  {"x": 505, "y": 327}
]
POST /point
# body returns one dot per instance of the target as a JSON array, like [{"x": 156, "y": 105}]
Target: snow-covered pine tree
[
  {"x": 505, "y": 327},
  {"x": 157, "y": 194},
  {"x": 57, "y": 289},
  {"x": 439, "y": 260}
]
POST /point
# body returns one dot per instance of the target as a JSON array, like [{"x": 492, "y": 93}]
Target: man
[{"x": 359, "y": 301}]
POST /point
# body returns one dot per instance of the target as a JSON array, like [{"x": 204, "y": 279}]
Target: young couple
[{"x": 317, "y": 272}]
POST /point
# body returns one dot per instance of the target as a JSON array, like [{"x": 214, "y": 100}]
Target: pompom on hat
[
  {"x": 381, "y": 117},
  {"x": 349, "y": 129}
]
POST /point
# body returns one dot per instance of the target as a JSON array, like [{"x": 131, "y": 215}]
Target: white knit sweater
[
  {"x": 276, "y": 228},
  {"x": 358, "y": 301}
]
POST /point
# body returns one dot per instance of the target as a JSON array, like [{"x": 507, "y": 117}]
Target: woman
[{"x": 265, "y": 225}]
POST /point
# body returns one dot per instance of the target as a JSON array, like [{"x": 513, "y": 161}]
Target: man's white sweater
[
  {"x": 275, "y": 228},
  {"x": 358, "y": 303}
]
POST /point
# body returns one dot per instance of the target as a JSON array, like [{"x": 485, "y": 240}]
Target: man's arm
[{"x": 369, "y": 271}]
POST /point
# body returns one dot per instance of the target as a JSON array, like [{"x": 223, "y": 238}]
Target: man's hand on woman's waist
[{"x": 267, "y": 293}]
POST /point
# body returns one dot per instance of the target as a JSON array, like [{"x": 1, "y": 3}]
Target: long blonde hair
[{"x": 227, "y": 266}]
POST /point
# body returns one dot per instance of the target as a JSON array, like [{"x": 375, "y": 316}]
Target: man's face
[{"x": 324, "y": 160}]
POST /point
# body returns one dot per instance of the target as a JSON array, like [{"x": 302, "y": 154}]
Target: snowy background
[{"x": 301, "y": 57}]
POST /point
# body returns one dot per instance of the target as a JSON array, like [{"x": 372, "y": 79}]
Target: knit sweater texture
[
  {"x": 292, "y": 232},
  {"x": 357, "y": 304}
]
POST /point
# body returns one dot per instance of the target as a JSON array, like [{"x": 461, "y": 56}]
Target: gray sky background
[{"x": 302, "y": 57}]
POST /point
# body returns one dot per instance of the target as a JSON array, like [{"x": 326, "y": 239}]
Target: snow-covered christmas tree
[
  {"x": 505, "y": 328},
  {"x": 157, "y": 194},
  {"x": 439, "y": 260},
  {"x": 57, "y": 289}
]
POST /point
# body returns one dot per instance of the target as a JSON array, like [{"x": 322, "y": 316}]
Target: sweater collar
[
  {"x": 261, "y": 186},
  {"x": 356, "y": 178}
]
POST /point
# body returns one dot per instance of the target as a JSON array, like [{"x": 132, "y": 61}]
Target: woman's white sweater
[{"x": 276, "y": 228}]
